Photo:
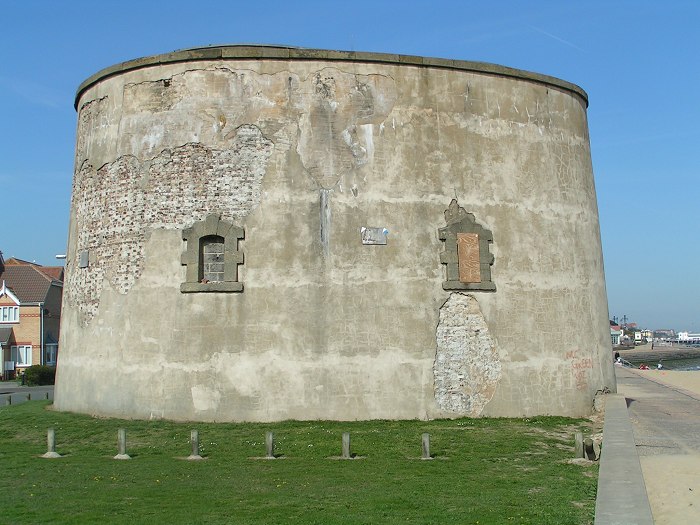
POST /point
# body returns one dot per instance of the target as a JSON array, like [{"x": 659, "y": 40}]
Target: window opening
[
  {"x": 212, "y": 259},
  {"x": 21, "y": 355},
  {"x": 51, "y": 351},
  {"x": 212, "y": 256},
  {"x": 9, "y": 314}
]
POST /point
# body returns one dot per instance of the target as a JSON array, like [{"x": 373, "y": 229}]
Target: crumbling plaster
[{"x": 467, "y": 363}]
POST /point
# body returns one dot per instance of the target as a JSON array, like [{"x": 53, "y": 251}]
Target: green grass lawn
[{"x": 484, "y": 471}]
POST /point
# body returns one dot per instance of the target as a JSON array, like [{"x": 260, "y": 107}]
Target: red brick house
[{"x": 30, "y": 314}]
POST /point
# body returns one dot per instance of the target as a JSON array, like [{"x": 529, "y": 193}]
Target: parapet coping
[
  {"x": 275, "y": 52},
  {"x": 622, "y": 495}
]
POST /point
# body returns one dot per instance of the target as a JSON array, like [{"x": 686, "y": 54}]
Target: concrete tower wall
[{"x": 341, "y": 188}]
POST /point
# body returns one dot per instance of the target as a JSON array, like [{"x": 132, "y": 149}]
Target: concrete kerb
[{"x": 622, "y": 496}]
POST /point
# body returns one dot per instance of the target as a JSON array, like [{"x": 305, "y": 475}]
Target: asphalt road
[{"x": 18, "y": 394}]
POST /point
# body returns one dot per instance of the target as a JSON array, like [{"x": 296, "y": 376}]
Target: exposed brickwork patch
[
  {"x": 467, "y": 366},
  {"x": 117, "y": 204}
]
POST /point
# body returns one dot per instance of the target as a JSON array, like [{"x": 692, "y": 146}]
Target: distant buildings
[
  {"x": 687, "y": 337},
  {"x": 629, "y": 334},
  {"x": 30, "y": 314},
  {"x": 624, "y": 334},
  {"x": 664, "y": 334}
]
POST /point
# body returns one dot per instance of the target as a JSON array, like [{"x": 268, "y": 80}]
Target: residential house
[
  {"x": 615, "y": 334},
  {"x": 30, "y": 314}
]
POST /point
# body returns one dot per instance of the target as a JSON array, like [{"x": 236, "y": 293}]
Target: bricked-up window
[
  {"x": 467, "y": 255},
  {"x": 212, "y": 257}
]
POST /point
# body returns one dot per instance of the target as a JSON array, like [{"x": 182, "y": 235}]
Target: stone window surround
[
  {"x": 460, "y": 221},
  {"x": 212, "y": 226}
]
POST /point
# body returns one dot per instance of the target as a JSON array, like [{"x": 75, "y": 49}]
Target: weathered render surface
[{"x": 297, "y": 151}]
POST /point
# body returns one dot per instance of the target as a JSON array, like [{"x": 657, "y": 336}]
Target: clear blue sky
[{"x": 638, "y": 61}]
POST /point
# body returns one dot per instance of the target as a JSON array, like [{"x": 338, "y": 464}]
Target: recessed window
[
  {"x": 212, "y": 256},
  {"x": 9, "y": 314}
]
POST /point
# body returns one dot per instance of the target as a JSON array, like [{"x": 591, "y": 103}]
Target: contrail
[{"x": 550, "y": 35}]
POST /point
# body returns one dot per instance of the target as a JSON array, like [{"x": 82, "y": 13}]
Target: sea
[
  {"x": 673, "y": 364},
  {"x": 677, "y": 357},
  {"x": 682, "y": 364}
]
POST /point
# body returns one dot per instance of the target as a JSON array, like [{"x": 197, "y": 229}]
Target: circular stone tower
[{"x": 269, "y": 233}]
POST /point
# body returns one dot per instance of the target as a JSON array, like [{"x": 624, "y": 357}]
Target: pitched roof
[
  {"x": 28, "y": 282},
  {"x": 15, "y": 261},
  {"x": 55, "y": 272},
  {"x": 5, "y": 334}
]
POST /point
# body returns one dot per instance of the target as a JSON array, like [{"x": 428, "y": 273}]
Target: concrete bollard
[
  {"x": 9, "y": 399},
  {"x": 194, "y": 439},
  {"x": 425, "y": 445},
  {"x": 51, "y": 445},
  {"x": 121, "y": 442},
  {"x": 578, "y": 445},
  {"x": 346, "y": 446},
  {"x": 588, "y": 448},
  {"x": 29, "y": 396},
  {"x": 47, "y": 396},
  {"x": 269, "y": 445}
]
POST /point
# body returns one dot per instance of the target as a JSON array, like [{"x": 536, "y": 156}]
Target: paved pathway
[
  {"x": 666, "y": 425},
  {"x": 10, "y": 393}
]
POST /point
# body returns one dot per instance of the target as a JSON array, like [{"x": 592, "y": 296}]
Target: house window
[
  {"x": 21, "y": 355},
  {"x": 51, "y": 351},
  {"x": 212, "y": 257},
  {"x": 9, "y": 314}
]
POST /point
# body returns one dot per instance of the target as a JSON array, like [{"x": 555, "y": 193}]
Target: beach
[{"x": 687, "y": 382}]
